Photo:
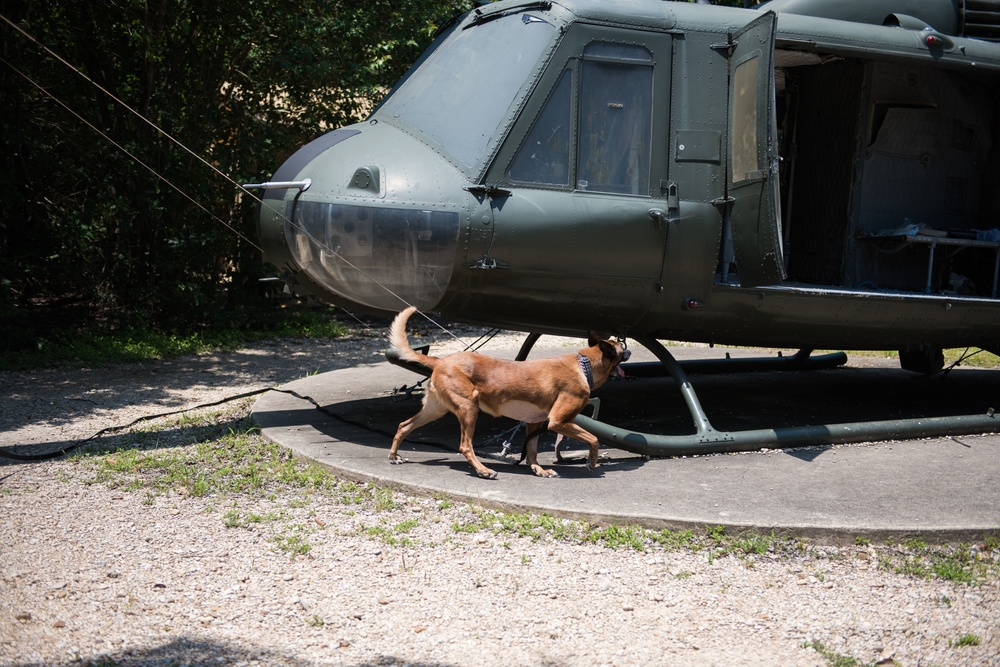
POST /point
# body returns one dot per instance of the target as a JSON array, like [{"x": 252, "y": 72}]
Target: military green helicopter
[{"x": 804, "y": 173}]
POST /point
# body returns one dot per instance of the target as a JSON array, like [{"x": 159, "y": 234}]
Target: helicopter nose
[{"x": 374, "y": 227}]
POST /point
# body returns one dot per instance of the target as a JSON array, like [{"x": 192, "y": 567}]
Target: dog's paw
[
  {"x": 397, "y": 460},
  {"x": 542, "y": 472},
  {"x": 486, "y": 473}
]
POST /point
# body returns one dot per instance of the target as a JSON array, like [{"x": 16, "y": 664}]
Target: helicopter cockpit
[{"x": 379, "y": 224}]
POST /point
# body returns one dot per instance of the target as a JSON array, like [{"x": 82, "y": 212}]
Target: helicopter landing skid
[{"x": 708, "y": 440}]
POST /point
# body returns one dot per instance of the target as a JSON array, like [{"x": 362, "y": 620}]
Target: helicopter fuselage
[{"x": 670, "y": 170}]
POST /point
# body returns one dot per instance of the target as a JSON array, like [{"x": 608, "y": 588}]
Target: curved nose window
[
  {"x": 460, "y": 95},
  {"x": 381, "y": 257}
]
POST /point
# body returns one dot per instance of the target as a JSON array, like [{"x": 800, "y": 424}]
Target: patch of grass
[
  {"x": 835, "y": 659},
  {"x": 293, "y": 545},
  {"x": 973, "y": 356},
  {"x": 237, "y": 519},
  {"x": 443, "y": 501},
  {"x": 912, "y": 566},
  {"x": 406, "y": 526},
  {"x": 952, "y": 570},
  {"x": 753, "y": 543},
  {"x": 950, "y": 563},
  {"x": 92, "y": 346},
  {"x": 743, "y": 545},
  {"x": 384, "y": 501},
  {"x": 466, "y": 527},
  {"x": 968, "y": 639},
  {"x": 389, "y": 536},
  {"x": 618, "y": 537},
  {"x": 673, "y": 539},
  {"x": 293, "y": 542},
  {"x": 716, "y": 533},
  {"x": 237, "y": 462}
]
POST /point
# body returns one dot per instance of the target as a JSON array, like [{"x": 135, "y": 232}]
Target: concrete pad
[{"x": 941, "y": 489}]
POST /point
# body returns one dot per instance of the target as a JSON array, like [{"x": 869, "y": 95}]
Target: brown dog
[{"x": 545, "y": 393}]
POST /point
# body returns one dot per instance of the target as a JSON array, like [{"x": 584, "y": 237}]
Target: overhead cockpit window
[
  {"x": 544, "y": 156},
  {"x": 616, "y": 107},
  {"x": 461, "y": 94}
]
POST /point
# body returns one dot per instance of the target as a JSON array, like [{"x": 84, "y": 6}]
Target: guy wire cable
[
  {"x": 225, "y": 176},
  {"x": 481, "y": 341}
]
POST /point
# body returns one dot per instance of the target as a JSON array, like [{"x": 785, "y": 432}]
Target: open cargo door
[{"x": 753, "y": 159}]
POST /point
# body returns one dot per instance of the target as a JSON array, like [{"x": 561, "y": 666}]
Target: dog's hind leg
[
  {"x": 432, "y": 409},
  {"x": 467, "y": 412},
  {"x": 533, "y": 433}
]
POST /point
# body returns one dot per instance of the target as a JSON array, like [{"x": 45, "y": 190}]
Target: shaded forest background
[
  {"x": 92, "y": 239},
  {"x": 87, "y": 234}
]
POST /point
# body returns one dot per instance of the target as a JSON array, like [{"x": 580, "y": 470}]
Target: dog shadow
[{"x": 370, "y": 423}]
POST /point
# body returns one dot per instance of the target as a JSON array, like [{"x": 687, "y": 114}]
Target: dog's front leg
[
  {"x": 571, "y": 430},
  {"x": 534, "y": 432}
]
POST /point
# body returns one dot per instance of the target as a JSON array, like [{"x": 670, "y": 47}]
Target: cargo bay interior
[{"x": 890, "y": 175}]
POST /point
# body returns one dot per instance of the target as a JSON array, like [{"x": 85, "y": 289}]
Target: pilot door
[
  {"x": 752, "y": 171},
  {"x": 572, "y": 237}
]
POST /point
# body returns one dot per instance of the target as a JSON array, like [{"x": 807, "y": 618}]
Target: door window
[
  {"x": 616, "y": 109},
  {"x": 744, "y": 123}
]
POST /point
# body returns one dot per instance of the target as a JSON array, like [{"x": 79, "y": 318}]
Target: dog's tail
[{"x": 400, "y": 343}]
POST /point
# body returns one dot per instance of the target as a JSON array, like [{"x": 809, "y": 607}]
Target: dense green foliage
[{"x": 88, "y": 234}]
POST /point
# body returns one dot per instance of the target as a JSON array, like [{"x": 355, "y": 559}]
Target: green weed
[
  {"x": 835, "y": 659},
  {"x": 968, "y": 639},
  {"x": 294, "y": 542}
]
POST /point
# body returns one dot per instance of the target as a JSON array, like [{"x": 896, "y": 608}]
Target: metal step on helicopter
[{"x": 805, "y": 174}]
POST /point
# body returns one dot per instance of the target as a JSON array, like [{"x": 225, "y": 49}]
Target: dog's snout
[{"x": 626, "y": 354}]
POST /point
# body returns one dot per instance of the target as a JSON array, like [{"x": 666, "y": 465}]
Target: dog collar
[{"x": 587, "y": 370}]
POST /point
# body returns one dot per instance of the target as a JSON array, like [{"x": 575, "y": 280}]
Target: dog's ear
[{"x": 609, "y": 351}]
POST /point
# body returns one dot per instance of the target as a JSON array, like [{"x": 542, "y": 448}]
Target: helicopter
[{"x": 802, "y": 173}]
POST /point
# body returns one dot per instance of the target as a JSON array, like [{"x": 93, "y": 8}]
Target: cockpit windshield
[{"x": 462, "y": 92}]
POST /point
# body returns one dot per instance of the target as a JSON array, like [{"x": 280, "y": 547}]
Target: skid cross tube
[{"x": 708, "y": 440}]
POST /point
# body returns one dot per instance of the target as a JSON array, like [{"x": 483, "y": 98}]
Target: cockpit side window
[
  {"x": 544, "y": 156},
  {"x": 616, "y": 109},
  {"x": 612, "y": 145}
]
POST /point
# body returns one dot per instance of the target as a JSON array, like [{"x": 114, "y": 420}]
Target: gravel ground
[{"x": 105, "y": 570}]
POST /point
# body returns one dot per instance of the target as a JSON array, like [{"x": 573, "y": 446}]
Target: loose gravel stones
[{"x": 91, "y": 573}]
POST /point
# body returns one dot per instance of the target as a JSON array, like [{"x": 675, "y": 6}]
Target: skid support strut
[{"x": 707, "y": 440}]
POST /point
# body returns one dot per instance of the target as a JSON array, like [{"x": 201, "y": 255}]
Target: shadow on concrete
[{"x": 939, "y": 488}]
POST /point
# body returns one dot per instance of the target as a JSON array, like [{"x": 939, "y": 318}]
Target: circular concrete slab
[{"x": 941, "y": 489}]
